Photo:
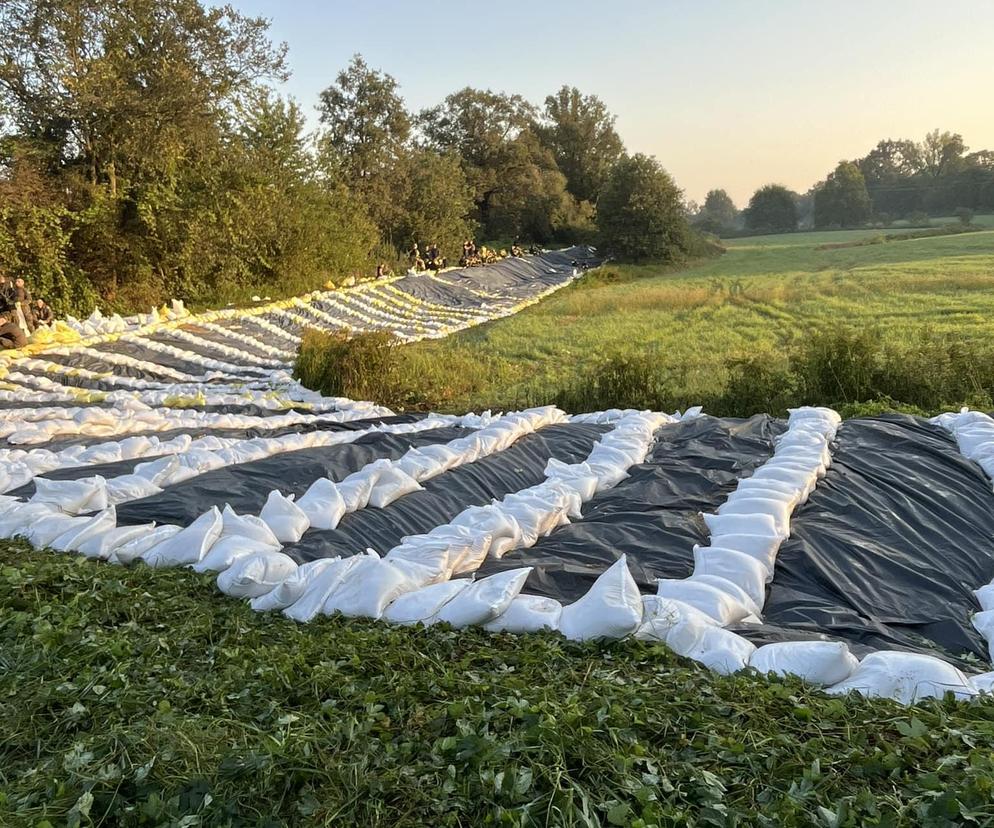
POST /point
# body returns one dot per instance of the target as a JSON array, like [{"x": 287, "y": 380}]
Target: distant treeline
[
  {"x": 145, "y": 153},
  {"x": 896, "y": 180}
]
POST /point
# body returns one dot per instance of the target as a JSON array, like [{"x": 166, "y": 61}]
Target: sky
[{"x": 725, "y": 94}]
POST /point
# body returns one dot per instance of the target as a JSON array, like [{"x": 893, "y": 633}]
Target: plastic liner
[
  {"x": 165, "y": 338},
  {"x": 137, "y": 351},
  {"x": 445, "y": 496},
  {"x": 653, "y": 515},
  {"x": 214, "y": 336},
  {"x": 92, "y": 363},
  {"x": 247, "y": 486},
  {"x": 891, "y": 544}
]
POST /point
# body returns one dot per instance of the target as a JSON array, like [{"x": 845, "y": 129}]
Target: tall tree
[
  {"x": 438, "y": 203},
  {"x": 842, "y": 200},
  {"x": 772, "y": 208},
  {"x": 366, "y": 129},
  {"x": 718, "y": 212},
  {"x": 640, "y": 213},
  {"x": 941, "y": 153},
  {"x": 580, "y": 132}
]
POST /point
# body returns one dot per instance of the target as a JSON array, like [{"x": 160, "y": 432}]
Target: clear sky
[{"x": 725, "y": 93}]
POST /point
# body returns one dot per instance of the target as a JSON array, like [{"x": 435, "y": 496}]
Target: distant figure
[
  {"x": 417, "y": 263},
  {"x": 382, "y": 271},
  {"x": 22, "y": 297},
  {"x": 42, "y": 312},
  {"x": 11, "y": 336}
]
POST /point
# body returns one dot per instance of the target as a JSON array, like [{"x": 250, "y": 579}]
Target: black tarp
[
  {"x": 518, "y": 467},
  {"x": 653, "y": 516},
  {"x": 247, "y": 485},
  {"x": 891, "y": 543}
]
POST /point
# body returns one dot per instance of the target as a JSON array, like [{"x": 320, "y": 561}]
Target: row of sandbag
[
  {"x": 263, "y": 394},
  {"x": 48, "y": 519},
  {"x": 229, "y": 351},
  {"x": 66, "y": 375},
  {"x": 247, "y": 364},
  {"x": 974, "y": 434},
  {"x": 731, "y": 574},
  {"x": 29, "y": 428},
  {"x": 415, "y": 576},
  {"x": 93, "y": 494}
]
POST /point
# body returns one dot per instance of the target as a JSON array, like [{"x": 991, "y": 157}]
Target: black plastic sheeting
[
  {"x": 209, "y": 335},
  {"x": 247, "y": 485},
  {"x": 89, "y": 362},
  {"x": 890, "y": 545},
  {"x": 517, "y": 467},
  {"x": 653, "y": 516},
  {"x": 165, "y": 337},
  {"x": 141, "y": 352}
]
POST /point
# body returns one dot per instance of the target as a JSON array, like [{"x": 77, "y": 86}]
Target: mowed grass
[
  {"x": 765, "y": 294},
  {"x": 135, "y": 697}
]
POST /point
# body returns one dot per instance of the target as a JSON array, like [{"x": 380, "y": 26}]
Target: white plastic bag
[
  {"x": 422, "y": 604},
  {"x": 737, "y": 567},
  {"x": 291, "y": 588},
  {"x": 708, "y": 599},
  {"x": 817, "y": 662},
  {"x": 611, "y": 608},
  {"x": 256, "y": 574},
  {"x": 753, "y": 524},
  {"x": 247, "y": 526},
  {"x": 526, "y": 614},
  {"x": 286, "y": 519},
  {"x": 100, "y": 547},
  {"x": 229, "y": 548},
  {"x": 72, "y": 496},
  {"x": 483, "y": 600},
  {"x": 94, "y": 527},
  {"x": 189, "y": 545},
  {"x": 323, "y": 504},
  {"x": 130, "y": 550},
  {"x": 318, "y": 588},
  {"x": 392, "y": 484},
  {"x": 905, "y": 677},
  {"x": 500, "y": 525},
  {"x": 368, "y": 588}
]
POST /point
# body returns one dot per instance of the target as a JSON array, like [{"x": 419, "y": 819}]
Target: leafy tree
[
  {"x": 718, "y": 212},
  {"x": 640, "y": 214},
  {"x": 366, "y": 129},
  {"x": 773, "y": 209},
  {"x": 842, "y": 200},
  {"x": 580, "y": 132},
  {"x": 941, "y": 153},
  {"x": 438, "y": 203}
]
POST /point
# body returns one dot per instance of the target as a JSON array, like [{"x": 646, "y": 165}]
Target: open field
[{"x": 767, "y": 294}]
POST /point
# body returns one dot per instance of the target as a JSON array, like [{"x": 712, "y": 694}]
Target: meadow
[{"x": 688, "y": 330}]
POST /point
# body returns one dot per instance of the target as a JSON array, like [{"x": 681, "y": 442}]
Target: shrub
[{"x": 965, "y": 216}]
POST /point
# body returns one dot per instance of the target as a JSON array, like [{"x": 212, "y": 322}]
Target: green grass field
[{"x": 766, "y": 294}]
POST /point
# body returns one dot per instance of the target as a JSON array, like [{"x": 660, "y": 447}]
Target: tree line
[
  {"x": 146, "y": 152},
  {"x": 896, "y": 180}
]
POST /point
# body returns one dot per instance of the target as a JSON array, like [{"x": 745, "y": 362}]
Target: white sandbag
[
  {"x": 356, "y": 490},
  {"x": 660, "y": 615},
  {"x": 189, "y": 545},
  {"x": 984, "y": 682},
  {"x": 229, "y": 548},
  {"x": 717, "y": 649},
  {"x": 467, "y": 548},
  {"x": 763, "y": 548},
  {"x": 159, "y": 471},
  {"x": 317, "y": 589},
  {"x": 483, "y": 600},
  {"x": 72, "y": 496},
  {"x": 446, "y": 457},
  {"x": 753, "y": 524},
  {"x": 427, "y": 560},
  {"x": 323, "y": 504},
  {"x": 611, "y": 608},
  {"x": 368, "y": 588},
  {"x": 734, "y": 591},
  {"x": 247, "y": 526},
  {"x": 256, "y": 574},
  {"x": 291, "y": 588},
  {"x": 708, "y": 599},
  {"x": 131, "y": 550},
  {"x": 422, "y": 604},
  {"x": 905, "y": 677},
  {"x": 393, "y": 483},
  {"x": 822, "y": 663},
  {"x": 985, "y": 596},
  {"x": 19, "y": 520},
  {"x": 94, "y": 527},
  {"x": 419, "y": 465},
  {"x": 737, "y": 567},
  {"x": 500, "y": 525},
  {"x": 41, "y": 533},
  {"x": 779, "y": 510},
  {"x": 578, "y": 476},
  {"x": 129, "y": 487},
  {"x": 284, "y": 517},
  {"x": 527, "y": 614},
  {"x": 100, "y": 547}
]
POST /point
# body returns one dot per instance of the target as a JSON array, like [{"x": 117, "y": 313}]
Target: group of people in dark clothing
[
  {"x": 20, "y": 314},
  {"x": 431, "y": 259}
]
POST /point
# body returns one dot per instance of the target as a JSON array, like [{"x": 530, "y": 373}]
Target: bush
[{"x": 965, "y": 216}]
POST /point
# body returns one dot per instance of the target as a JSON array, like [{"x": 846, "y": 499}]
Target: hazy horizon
[{"x": 724, "y": 94}]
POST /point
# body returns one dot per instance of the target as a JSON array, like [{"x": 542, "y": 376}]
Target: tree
[
  {"x": 438, "y": 203},
  {"x": 718, "y": 213},
  {"x": 941, "y": 153},
  {"x": 640, "y": 214},
  {"x": 842, "y": 200},
  {"x": 366, "y": 129},
  {"x": 580, "y": 132},
  {"x": 773, "y": 209}
]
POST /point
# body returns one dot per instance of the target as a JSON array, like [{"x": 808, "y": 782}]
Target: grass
[
  {"x": 141, "y": 697},
  {"x": 767, "y": 297}
]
